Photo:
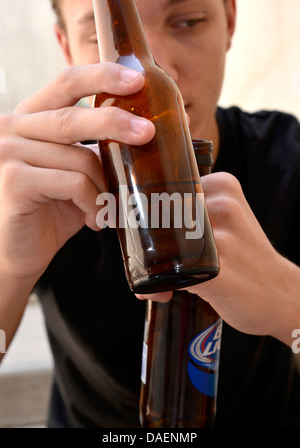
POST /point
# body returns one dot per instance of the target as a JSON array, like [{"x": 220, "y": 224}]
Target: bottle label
[
  {"x": 204, "y": 352},
  {"x": 144, "y": 362}
]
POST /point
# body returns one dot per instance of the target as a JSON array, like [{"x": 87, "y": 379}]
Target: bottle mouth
[
  {"x": 201, "y": 145},
  {"x": 203, "y": 150}
]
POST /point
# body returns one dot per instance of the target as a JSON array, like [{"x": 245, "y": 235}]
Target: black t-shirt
[{"x": 95, "y": 324}]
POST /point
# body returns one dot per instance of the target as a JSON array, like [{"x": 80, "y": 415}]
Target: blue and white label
[
  {"x": 205, "y": 347},
  {"x": 204, "y": 351}
]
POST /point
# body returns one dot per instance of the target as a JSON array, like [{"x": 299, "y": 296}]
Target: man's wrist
[
  {"x": 14, "y": 293},
  {"x": 287, "y": 305}
]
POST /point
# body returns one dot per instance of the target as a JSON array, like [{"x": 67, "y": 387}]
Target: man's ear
[
  {"x": 64, "y": 43},
  {"x": 230, "y": 8}
]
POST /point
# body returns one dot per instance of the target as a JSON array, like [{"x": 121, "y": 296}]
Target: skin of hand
[{"x": 48, "y": 185}]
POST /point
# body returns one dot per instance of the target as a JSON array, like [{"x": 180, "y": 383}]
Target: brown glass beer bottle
[
  {"x": 160, "y": 214},
  {"x": 181, "y": 353}
]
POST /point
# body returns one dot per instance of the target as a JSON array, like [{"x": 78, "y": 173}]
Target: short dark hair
[{"x": 56, "y": 5}]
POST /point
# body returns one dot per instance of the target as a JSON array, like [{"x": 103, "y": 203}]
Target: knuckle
[
  {"x": 81, "y": 182},
  {"x": 108, "y": 69},
  {"x": 117, "y": 125},
  {"x": 10, "y": 171},
  {"x": 7, "y": 141},
  {"x": 231, "y": 207},
  {"x": 65, "y": 78},
  {"x": 67, "y": 82},
  {"x": 108, "y": 76},
  {"x": 229, "y": 182},
  {"x": 224, "y": 209},
  {"x": 5, "y": 148},
  {"x": 90, "y": 159},
  {"x": 62, "y": 121},
  {"x": 5, "y": 121},
  {"x": 109, "y": 117}
]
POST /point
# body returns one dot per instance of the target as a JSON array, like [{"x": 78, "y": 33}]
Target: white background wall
[
  {"x": 29, "y": 53},
  {"x": 263, "y": 68},
  {"x": 263, "y": 65}
]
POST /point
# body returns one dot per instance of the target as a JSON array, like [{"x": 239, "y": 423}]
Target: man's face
[{"x": 188, "y": 38}]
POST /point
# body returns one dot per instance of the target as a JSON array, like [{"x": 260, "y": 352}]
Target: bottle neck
[
  {"x": 203, "y": 151},
  {"x": 120, "y": 33}
]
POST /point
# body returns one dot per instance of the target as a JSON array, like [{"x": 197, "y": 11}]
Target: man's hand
[
  {"x": 48, "y": 185},
  {"x": 257, "y": 290}
]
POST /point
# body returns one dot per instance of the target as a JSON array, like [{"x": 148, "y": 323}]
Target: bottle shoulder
[
  {"x": 159, "y": 94},
  {"x": 148, "y": 68},
  {"x": 160, "y": 86}
]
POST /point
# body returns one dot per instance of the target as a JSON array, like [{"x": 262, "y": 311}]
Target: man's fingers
[
  {"x": 55, "y": 156},
  {"x": 50, "y": 115},
  {"x": 37, "y": 186},
  {"x": 74, "y": 124},
  {"x": 78, "y": 82}
]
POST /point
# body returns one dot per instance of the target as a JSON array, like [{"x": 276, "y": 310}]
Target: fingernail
[
  {"x": 128, "y": 76},
  {"x": 138, "y": 125}
]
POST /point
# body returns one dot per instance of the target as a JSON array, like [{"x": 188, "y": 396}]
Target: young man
[{"x": 48, "y": 193}]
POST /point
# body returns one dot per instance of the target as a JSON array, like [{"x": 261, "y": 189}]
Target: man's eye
[{"x": 188, "y": 23}]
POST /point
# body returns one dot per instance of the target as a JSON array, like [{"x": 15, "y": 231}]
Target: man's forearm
[{"x": 14, "y": 293}]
